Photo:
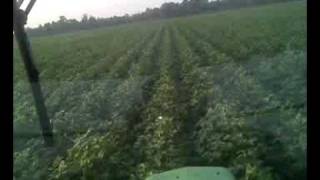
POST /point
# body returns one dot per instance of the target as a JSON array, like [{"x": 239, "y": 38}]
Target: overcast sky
[{"x": 50, "y": 10}]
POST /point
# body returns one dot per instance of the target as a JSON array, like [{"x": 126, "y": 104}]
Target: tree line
[{"x": 166, "y": 10}]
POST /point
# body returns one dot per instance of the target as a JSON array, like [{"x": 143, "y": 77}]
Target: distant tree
[
  {"x": 92, "y": 20},
  {"x": 169, "y": 9},
  {"x": 62, "y": 19},
  {"x": 73, "y": 21},
  {"x": 198, "y": 5},
  {"x": 84, "y": 18},
  {"x": 47, "y": 27}
]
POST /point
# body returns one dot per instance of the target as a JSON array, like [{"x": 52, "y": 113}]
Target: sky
[{"x": 50, "y": 10}]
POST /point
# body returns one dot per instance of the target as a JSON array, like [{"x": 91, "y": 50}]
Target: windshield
[{"x": 192, "y": 83}]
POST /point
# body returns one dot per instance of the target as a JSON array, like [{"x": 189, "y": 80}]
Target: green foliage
[
  {"x": 32, "y": 162},
  {"x": 223, "y": 139},
  {"x": 162, "y": 119},
  {"x": 82, "y": 159}
]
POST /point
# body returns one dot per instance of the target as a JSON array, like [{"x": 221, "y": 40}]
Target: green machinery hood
[{"x": 194, "y": 173}]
